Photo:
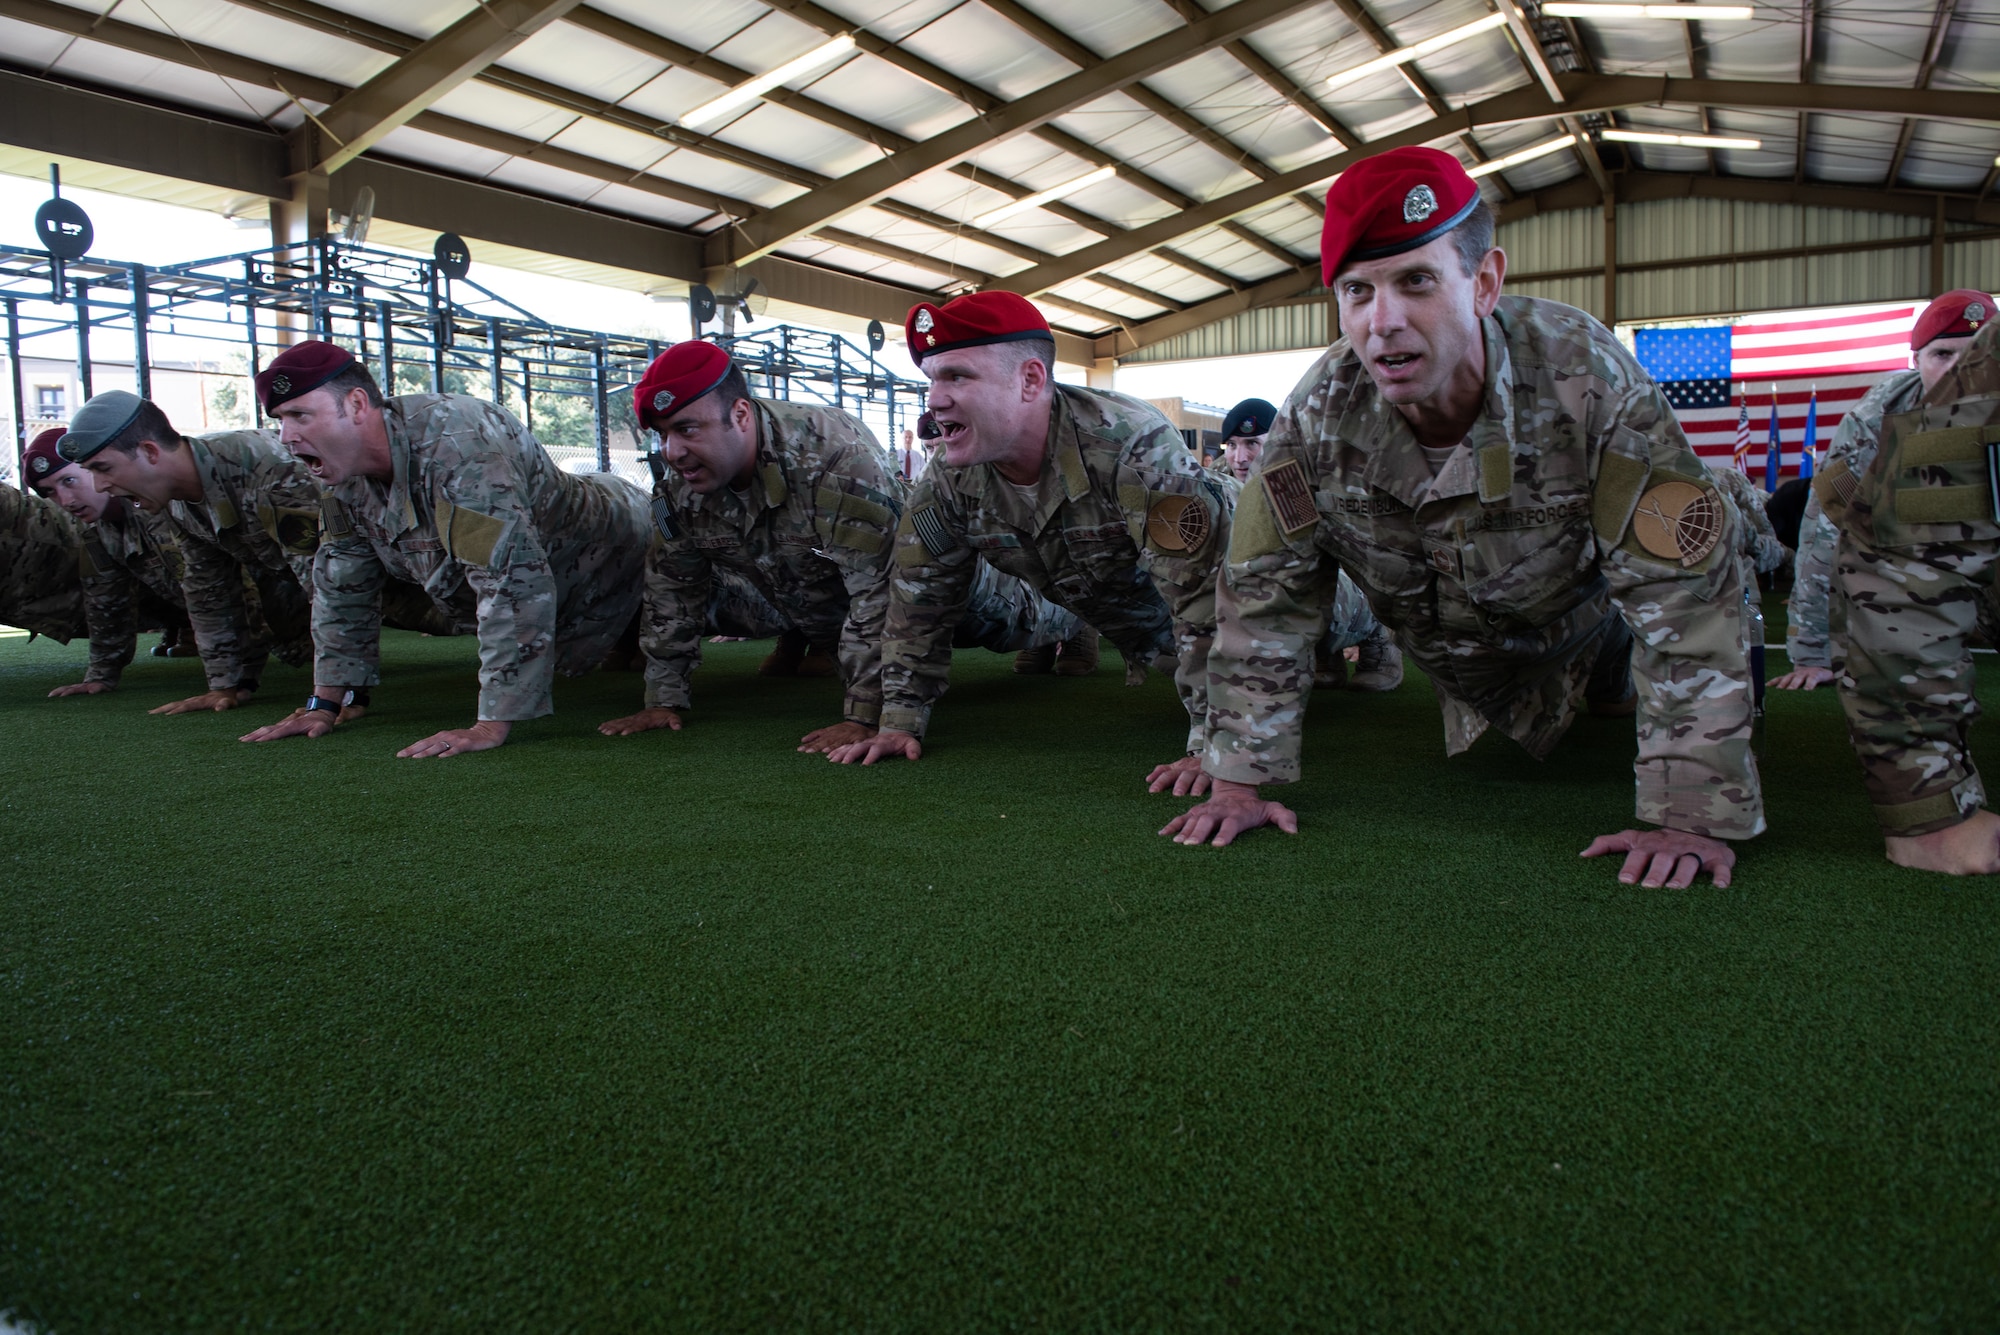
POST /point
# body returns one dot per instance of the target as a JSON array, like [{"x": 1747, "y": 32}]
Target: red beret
[
  {"x": 1393, "y": 202},
  {"x": 971, "y": 320},
  {"x": 677, "y": 377},
  {"x": 1960, "y": 311},
  {"x": 300, "y": 369},
  {"x": 41, "y": 459}
]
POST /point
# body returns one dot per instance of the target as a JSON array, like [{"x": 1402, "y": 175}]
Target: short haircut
[
  {"x": 1473, "y": 237},
  {"x": 353, "y": 376},
  {"x": 732, "y": 387},
  {"x": 1041, "y": 350},
  {"x": 149, "y": 423}
]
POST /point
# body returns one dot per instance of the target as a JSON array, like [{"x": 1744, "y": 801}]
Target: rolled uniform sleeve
[
  {"x": 347, "y": 608},
  {"x": 675, "y": 612},
  {"x": 1273, "y": 599},
  {"x": 856, "y": 519},
  {"x": 1695, "y": 768},
  {"x": 218, "y": 611},
  {"x": 1158, "y": 465},
  {"x": 929, "y": 588},
  {"x": 111, "y": 612}
]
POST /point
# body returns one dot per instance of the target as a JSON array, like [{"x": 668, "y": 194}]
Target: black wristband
[
  {"x": 319, "y": 704},
  {"x": 358, "y": 696},
  {"x": 246, "y": 684}
]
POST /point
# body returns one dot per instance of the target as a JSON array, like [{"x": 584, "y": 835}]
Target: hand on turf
[
  {"x": 1231, "y": 809},
  {"x": 1670, "y": 858},
  {"x": 300, "y": 722},
  {"x": 840, "y": 735},
  {"x": 647, "y": 719},
  {"x": 884, "y": 745},
  {"x": 1802, "y": 679},
  {"x": 1184, "y": 775},
  {"x": 1969, "y": 848},
  {"x": 217, "y": 701},
  {"x": 82, "y": 688},
  {"x": 481, "y": 736}
]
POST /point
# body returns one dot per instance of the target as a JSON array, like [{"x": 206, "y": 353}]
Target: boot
[
  {"x": 1077, "y": 656},
  {"x": 818, "y": 663},
  {"x": 1036, "y": 662},
  {"x": 1329, "y": 668},
  {"x": 784, "y": 660},
  {"x": 1380, "y": 666}
]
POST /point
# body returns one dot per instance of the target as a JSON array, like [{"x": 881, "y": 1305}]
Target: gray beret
[{"x": 97, "y": 422}]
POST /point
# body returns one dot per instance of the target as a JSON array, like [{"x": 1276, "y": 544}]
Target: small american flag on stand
[{"x": 1847, "y": 350}]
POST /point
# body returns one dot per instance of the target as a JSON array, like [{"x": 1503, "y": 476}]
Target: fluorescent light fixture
[
  {"x": 1403, "y": 55},
  {"x": 1525, "y": 155},
  {"x": 743, "y": 94},
  {"x": 1681, "y": 140},
  {"x": 1584, "y": 9},
  {"x": 1041, "y": 197}
]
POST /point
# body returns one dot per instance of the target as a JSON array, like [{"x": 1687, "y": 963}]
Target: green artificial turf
[{"x": 688, "y": 1031}]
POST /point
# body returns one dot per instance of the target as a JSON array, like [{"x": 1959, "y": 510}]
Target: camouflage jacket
[
  {"x": 812, "y": 534},
  {"x": 128, "y": 556},
  {"x": 1757, "y": 547},
  {"x": 258, "y": 514},
  {"x": 1809, "y": 615},
  {"x": 1915, "y": 568},
  {"x": 1575, "y": 491},
  {"x": 1124, "y": 527},
  {"x": 41, "y": 550},
  {"x": 547, "y": 563}
]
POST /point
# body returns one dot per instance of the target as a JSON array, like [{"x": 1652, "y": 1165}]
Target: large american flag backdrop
[{"x": 1708, "y": 370}]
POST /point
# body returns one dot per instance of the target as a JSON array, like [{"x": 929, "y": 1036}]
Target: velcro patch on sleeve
[
  {"x": 1290, "y": 497},
  {"x": 96, "y": 561},
  {"x": 472, "y": 538},
  {"x": 857, "y": 538},
  {"x": 664, "y": 521},
  {"x": 1620, "y": 479},
  {"x": 1944, "y": 505},
  {"x": 333, "y": 520},
  {"x": 1254, "y": 532}
]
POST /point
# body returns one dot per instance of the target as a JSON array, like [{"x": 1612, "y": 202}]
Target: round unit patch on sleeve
[
  {"x": 1678, "y": 521},
  {"x": 1177, "y": 524}
]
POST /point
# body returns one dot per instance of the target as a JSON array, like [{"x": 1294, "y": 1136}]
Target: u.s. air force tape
[{"x": 1291, "y": 498}]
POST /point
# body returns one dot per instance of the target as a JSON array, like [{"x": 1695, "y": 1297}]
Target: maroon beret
[
  {"x": 1391, "y": 203},
  {"x": 300, "y": 369},
  {"x": 971, "y": 320},
  {"x": 677, "y": 377},
  {"x": 1960, "y": 311},
  {"x": 41, "y": 459}
]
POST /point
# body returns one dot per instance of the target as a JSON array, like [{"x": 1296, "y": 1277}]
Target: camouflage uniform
[
  {"x": 132, "y": 569},
  {"x": 1758, "y": 550},
  {"x": 258, "y": 517},
  {"x": 1501, "y": 573},
  {"x": 547, "y": 564},
  {"x": 812, "y": 536},
  {"x": 1915, "y": 567},
  {"x": 41, "y": 550},
  {"x": 1080, "y": 536},
  {"x": 1811, "y": 621}
]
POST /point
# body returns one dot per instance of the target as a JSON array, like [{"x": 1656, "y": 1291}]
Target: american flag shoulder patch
[
  {"x": 930, "y": 530},
  {"x": 1291, "y": 499}
]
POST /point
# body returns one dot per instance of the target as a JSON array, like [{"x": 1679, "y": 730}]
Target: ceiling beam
[
  {"x": 762, "y": 234},
  {"x": 1271, "y": 291},
  {"x": 1933, "y": 48},
  {"x": 1640, "y": 187},
  {"x": 1586, "y": 93},
  {"x": 357, "y": 122}
]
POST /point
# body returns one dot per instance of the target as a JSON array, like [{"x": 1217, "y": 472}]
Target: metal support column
[
  {"x": 493, "y": 351},
  {"x": 388, "y": 334},
  {"x": 142, "y": 349},
  {"x": 600, "y": 386},
  {"x": 1610, "y": 263},
  {"x": 20, "y": 392},
  {"x": 83, "y": 339}
]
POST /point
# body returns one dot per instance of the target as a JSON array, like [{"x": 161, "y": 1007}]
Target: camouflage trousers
[
  {"x": 1005, "y": 615},
  {"x": 1907, "y": 679},
  {"x": 736, "y": 608}
]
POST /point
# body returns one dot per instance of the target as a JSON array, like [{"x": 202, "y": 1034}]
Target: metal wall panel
[{"x": 1665, "y": 230}]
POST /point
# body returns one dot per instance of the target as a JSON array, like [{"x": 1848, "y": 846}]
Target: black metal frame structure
[{"x": 394, "y": 309}]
